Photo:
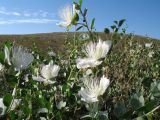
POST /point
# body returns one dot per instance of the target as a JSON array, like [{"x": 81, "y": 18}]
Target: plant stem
[{"x": 86, "y": 24}]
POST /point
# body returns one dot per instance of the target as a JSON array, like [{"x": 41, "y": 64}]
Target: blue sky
[{"x": 41, "y": 16}]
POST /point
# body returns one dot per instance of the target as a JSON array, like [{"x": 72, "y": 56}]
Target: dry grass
[{"x": 54, "y": 40}]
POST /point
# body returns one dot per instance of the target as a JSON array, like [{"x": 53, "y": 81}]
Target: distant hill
[{"x": 54, "y": 40}]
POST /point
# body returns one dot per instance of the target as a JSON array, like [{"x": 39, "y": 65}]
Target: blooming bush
[{"x": 90, "y": 79}]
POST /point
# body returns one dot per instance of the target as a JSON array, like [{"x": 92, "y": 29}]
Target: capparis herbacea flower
[
  {"x": 148, "y": 45},
  {"x": 7, "y": 55},
  {"x": 94, "y": 52},
  {"x": 93, "y": 88},
  {"x": 66, "y": 14},
  {"x": 19, "y": 57},
  {"x": 87, "y": 62},
  {"x": 98, "y": 50},
  {"x": 47, "y": 73}
]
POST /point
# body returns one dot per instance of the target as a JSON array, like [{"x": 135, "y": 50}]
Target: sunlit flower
[
  {"x": 150, "y": 54},
  {"x": 98, "y": 50},
  {"x": 93, "y": 88},
  {"x": 19, "y": 57},
  {"x": 60, "y": 104},
  {"x": 87, "y": 62},
  {"x": 7, "y": 55},
  {"x": 66, "y": 14},
  {"x": 47, "y": 73},
  {"x": 51, "y": 53},
  {"x": 148, "y": 45},
  {"x": 94, "y": 52}
]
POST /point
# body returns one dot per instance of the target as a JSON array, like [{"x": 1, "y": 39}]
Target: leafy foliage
[{"x": 42, "y": 92}]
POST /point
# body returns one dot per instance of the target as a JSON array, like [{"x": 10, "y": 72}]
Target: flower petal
[
  {"x": 104, "y": 83},
  {"x": 87, "y": 62}
]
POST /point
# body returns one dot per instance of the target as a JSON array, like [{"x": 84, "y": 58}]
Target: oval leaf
[
  {"x": 92, "y": 24},
  {"x": 7, "y": 99}
]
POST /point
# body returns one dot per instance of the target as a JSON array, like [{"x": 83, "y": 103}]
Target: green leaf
[
  {"x": 149, "y": 116},
  {"x": 150, "y": 105},
  {"x": 155, "y": 88},
  {"x": 7, "y": 99},
  {"x": 8, "y": 44},
  {"x": 137, "y": 101},
  {"x": 2, "y": 57},
  {"x": 92, "y": 23},
  {"x": 11, "y": 79},
  {"x": 147, "y": 82},
  {"x": 79, "y": 28},
  {"x": 121, "y": 22},
  {"x": 106, "y": 30},
  {"x": 116, "y": 30},
  {"x": 12, "y": 115},
  {"x": 127, "y": 114},
  {"x": 119, "y": 109},
  {"x": 116, "y": 22},
  {"x": 80, "y": 2},
  {"x": 85, "y": 12},
  {"x": 26, "y": 110},
  {"x": 113, "y": 27}
]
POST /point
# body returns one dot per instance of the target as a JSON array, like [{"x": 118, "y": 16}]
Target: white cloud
[
  {"x": 34, "y": 21},
  {"x": 26, "y": 13},
  {"x": 16, "y": 13},
  {"x": 6, "y": 12},
  {"x": 27, "y": 16}
]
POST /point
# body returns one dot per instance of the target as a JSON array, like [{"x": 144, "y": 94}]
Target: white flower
[
  {"x": 50, "y": 71},
  {"x": 94, "y": 52},
  {"x": 7, "y": 55},
  {"x": 51, "y": 53},
  {"x": 19, "y": 57},
  {"x": 93, "y": 88},
  {"x": 87, "y": 62},
  {"x": 150, "y": 54},
  {"x": 47, "y": 73},
  {"x": 98, "y": 50},
  {"x": 43, "y": 110},
  {"x": 60, "y": 105},
  {"x": 16, "y": 102},
  {"x": 148, "y": 45},
  {"x": 66, "y": 14}
]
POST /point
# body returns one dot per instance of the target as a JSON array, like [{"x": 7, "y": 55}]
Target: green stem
[
  {"x": 10, "y": 106},
  {"x": 70, "y": 74},
  {"x": 86, "y": 24},
  {"x": 152, "y": 111}
]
